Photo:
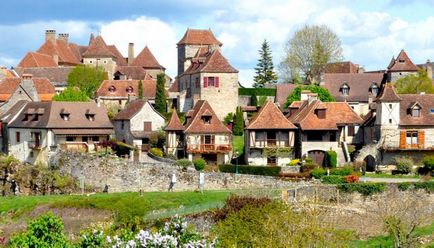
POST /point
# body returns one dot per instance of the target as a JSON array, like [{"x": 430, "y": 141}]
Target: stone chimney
[
  {"x": 429, "y": 68},
  {"x": 56, "y": 58},
  {"x": 130, "y": 53},
  {"x": 63, "y": 36},
  {"x": 27, "y": 76},
  {"x": 305, "y": 95},
  {"x": 50, "y": 34}
]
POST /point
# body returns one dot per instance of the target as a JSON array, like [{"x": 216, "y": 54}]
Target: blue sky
[{"x": 371, "y": 31}]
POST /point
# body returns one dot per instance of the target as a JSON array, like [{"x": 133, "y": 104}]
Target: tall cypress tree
[
  {"x": 238, "y": 123},
  {"x": 160, "y": 95},
  {"x": 140, "y": 89},
  {"x": 264, "y": 69}
]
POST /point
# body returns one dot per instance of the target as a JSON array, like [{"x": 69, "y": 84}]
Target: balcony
[
  {"x": 74, "y": 146},
  {"x": 270, "y": 143},
  {"x": 209, "y": 148}
]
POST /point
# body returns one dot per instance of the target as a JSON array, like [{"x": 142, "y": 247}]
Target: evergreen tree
[
  {"x": 264, "y": 69},
  {"x": 160, "y": 95},
  {"x": 140, "y": 89},
  {"x": 253, "y": 100},
  {"x": 238, "y": 123}
]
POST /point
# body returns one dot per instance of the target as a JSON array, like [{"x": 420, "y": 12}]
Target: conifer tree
[
  {"x": 265, "y": 73},
  {"x": 253, "y": 100},
  {"x": 140, "y": 89},
  {"x": 238, "y": 123},
  {"x": 160, "y": 95}
]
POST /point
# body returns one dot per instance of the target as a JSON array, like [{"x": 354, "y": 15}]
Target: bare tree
[{"x": 309, "y": 51}]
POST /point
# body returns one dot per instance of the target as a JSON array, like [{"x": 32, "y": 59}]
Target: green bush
[
  {"x": 365, "y": 189},
  {"x": 404, "y": 165},
  {"x": 184, "y": 163},
  {"x": 156, "y": 151},
  {"x": 318, "y": 173},
  {"x": 256, "y": 91},
  {"x": 234, "y": 203},
  {"x": 333, "y": 179},
  {"x": 253, "y": 170},
  {"x": 331, "y": 159},
  {"x": 199, "y": 164},
  {"x": 404, "y": 186},
  {"x": 342, "y": 171},
  {"x": 427, "y": 186},
  {"x": 428, "y": 164}
]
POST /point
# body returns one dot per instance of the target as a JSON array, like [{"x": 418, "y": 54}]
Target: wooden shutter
[
  {"x": 402, "y": 141},
  {"x": 147, "y": 126},
  {"x": 421, "y": 139},
  {"x": 205, "y": 82},
  {"x": 216, "y": 81}
]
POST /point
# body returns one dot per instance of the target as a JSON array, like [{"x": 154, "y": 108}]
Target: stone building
[
  {"x": 136, "y": 123},
  {"x": 400, "y": 67},
  {"x": 175, "y": 138},
  {"x": 269, "y": 131}
]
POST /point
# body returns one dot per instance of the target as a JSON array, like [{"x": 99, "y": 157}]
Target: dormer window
[
  {"x": 401, "y": 61},
  {"x": 130, "y": 89},
  {"x": 320, "y": 113},
  {"x": 206, "y": 119},
  {"x": 90, "y": 117},
  {"x": 374, "y": 89},
  {"x": 415, "y": 111},
  {"x": 112, "y": 88},
  {"x": 64, "y": 116},
  {"x": 345, "y": 89}
]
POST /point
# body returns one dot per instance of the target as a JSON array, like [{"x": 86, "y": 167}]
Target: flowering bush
[
  {"x": 294, "y": 162},
  {"x": 352, "y": 178}
]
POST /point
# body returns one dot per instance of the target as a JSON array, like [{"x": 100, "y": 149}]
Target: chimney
[
  {"x": 304, "y": 95},
  {"x": 63, "y": 36},
  {"x": 130, "y": 53},
  {"x": 50, "y": 35},
  {"x": 429, "y": 69},
  {"x": 27, "y": 76},
  {"x": 56, "y": 58}
]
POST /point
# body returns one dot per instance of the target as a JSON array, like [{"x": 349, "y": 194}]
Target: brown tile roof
[
  {"x": 270, "y": 117},
  {"x": 33, "y": 59},
  {"x": 388, "y": 94},
  {"x": 53, "y": 74},
  {"x": 282, "y": 92},
  {"x": 43, "y": 87},
  {"x": 147, "y": 60},
  {"x": 426, "y": 103},
  {"x": 9, "y": 115},
  {"x": 402, "y": 63},
  {"x": 132, "y": 72},
  {"x": 120, "y": 59},
  {"x": 121, "y": 86},
  {"x": 342, "y": 67},
  {"x": 174, "y": 123},
  {"x": 359, "y": 85},
  {"x": 199, "y": 37},
  {"x": 337, "y": 113},
  {"x": 50, "y": 117},
  {"x": 97, "y": 49},
  {"x": 132, "y": 109},
  {"x": 214, "y": 63},
  {"x": 195, "y": 124},
  {"x": 175, "y": 86},
  {"x": 62, "y": 49}
]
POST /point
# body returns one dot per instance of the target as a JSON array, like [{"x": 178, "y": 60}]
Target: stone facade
[
  {"x": 197, "y": 149},
  {"x": 187, "y": 52},
  {"x": 108, "y": 64}
]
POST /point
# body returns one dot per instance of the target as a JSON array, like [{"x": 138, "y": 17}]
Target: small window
[
  {"x": 351, "y": 131},
  {"x": 390, "y": 106},
  {"x": 105, "y": 61},
  {"x": 390, "y": 121},
  {"x": 90, "y": 117},
  {"x": 197, "y": 83},
  {"x": 374, "y": 89},
  {"x": 431, "y": 111},
  {"x": 95, "y": 138},
  {"x": 411, "y": 138},
  {"x": 130, "y": 89},
  {"x": 211, "y": 81},
  {"x": 401, "y": 61},
  {"x": 206, "y": 119},
  {"x": 147, "y": 126},
  {"x": 112, "y": 88},
  {"x": 64, "y": 116},
  {"x": 18, "y": 137},
  {"x": 320, "y": 113},
  {"x": 415, "y": 111},
  {"x": 35, "y": 117},
  {"x": 345, "y": 89},
  {"x": 70, "y": 138},
  {"x": 260, "y": 135},
  {"x": 90, "y": 61},
  {"x": 207, "y": 139},
  {"x": 122, "y": 125}
]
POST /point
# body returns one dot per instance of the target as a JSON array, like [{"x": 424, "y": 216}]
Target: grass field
[
  {"x": 374, "y": 175},
  {"x": 238, "y": 142}
]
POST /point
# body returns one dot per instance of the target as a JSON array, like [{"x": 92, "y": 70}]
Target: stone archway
[
  {"x": 370, "y": 154},
  {"x": 371, "y": 165}
]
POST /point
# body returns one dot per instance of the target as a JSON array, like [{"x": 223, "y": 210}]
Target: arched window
[
  {"x": 345, "y": 89},
  {"x": 112, "y": 88},
  {"x": 374, "y": 89},
  {"x": 130, "y": 89}
]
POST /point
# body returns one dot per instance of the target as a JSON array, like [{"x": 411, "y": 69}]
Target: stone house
[
  {"x": 269, "y": 132},
  {"x": 401, "y": 124},
  {"x": 136, "y": 123},
  {"x": 175, "y": 138},
  {"x": 400, "y": 67},
  {"x": 205, "y": 136},
  {"x": 323, "y": 126},
  {"x": 40, "y": 128}
]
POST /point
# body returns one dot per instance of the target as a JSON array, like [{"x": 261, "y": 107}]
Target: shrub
[
  {"x": 256, "y": 91},
  {"x": 199, "y": 164},
  {"x": 428, "y": 165},
  {"x": 184, "y": 163},
  {"x": 333, "y": 179},
  {"x": 234, "y": 204},
  {"x": 318, "y": 173},
  {"x": 294, "y": 162},
  {"x": 305, "y": 174},
  {"x": 156, "y": 151},
  {"x": 404, "y": 186},
  {"x": 352, "y": 178},
  {"x": 171, "y": 156},
  {"x": 342, "y": 171},
  {"x": 365, "y": 189},
  {"x": 359, "y": 166},
  {"x": 331, "y": 159},
  {"x": 253, "y": 170},
  {"x": 308, "y": 167},
  {"x": 427, "y": 186},
  {"x": 404, "y": 165}
]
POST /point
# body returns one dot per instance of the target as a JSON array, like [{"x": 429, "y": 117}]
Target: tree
[
  {"x": 323, "y": 94},
  {"x": 254, "y": 100},
  {"x": 309, "y": 51},
  {"x": 264, "y": 69},
  {"x": 238, "y": 123},
  {"x": 71, "y": 94},
  {"x": 415, "y": 84},
  {"x": 87, "y": 78},
  {"x": 160, "y": 95},
  {"x": 140, "y": 90}
]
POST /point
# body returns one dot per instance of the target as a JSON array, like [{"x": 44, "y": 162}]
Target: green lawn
[
  {"x": 238, "y": 142},
  {"x": 383, "y": 175}
]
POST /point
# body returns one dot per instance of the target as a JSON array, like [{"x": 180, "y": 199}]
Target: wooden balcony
[
  {"x": 270, "y": 143},
  {"x": 74, "y": 146},
  {"x": 209, "y": 148}
]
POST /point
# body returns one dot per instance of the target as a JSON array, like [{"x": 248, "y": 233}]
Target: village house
[
  {"x": 205, "y": 135},
  {"x": 135, "y": 124},
  {"x": 175, "y": 138},
  {"x": 400, "y": 67},
  {"x": 323, "y": 126},
  {"x": 40, "y": 128},
  {"x": 204, "y": 74},
  {"x": 269, "y": 138}
]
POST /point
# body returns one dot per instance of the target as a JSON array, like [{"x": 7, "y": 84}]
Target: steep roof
[
  {"x": 10, "y": 114},
  {"x": 195, "y": 124},
  {"x": 215, "y": 62},
  {"x": 33, "y": 59},
  {"x": 388, "y": 94},
  {"x": 53, "y": 74},
  {"x": 146, "y": 60},
  {"x": 120, "y": 59},
  {"x": 64, "y": 50},
  {"x": 98, "y": 48},
  {"x": 359, "y": 85},
  {"x": 426, "y": 103},
  {"x": 43, "y": 87},
  {"x": 270, "y": 117},
  {"x": 6, "y": 73},
  {"x": 174, "y": 123},
  {"x": 199, "y": 37},
  {"x": 132, "y": 72},
  {"x": 132, "y": 109},
  {"x": 342, "y": 67},
  {"x": 282, "y": 92},
  {"x": 402, "y": 63},
  {"x": 121, "y": 86}
]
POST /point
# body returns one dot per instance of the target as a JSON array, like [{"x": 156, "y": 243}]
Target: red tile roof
[
  {"x": 214, "y": 63},
  {"x": 282, "y": 93},
  {"x": 33, "y": 59},
  {"x": 199, "y": 37},
  {"x": 146, "y": 60},
  {"x": 426, "y": 104},
  {"x": 174, "y": 123},
  {"x": 132, "y": 109},
  {"x": 132, "y": 72},
  {"x": 121, "y": 86},
  {"x": 388, "y": 94},
  {"x": 53, "y": 74},
  {"x": 342, "y": 67},
  {"x": 98, "y": 48},
  {"x": 64, "y": 51},
  {"x": 120, "y": 59},
  {"x": 44, "y": 88},
  {"x": 195, "y": 123},
  {"x": 402, "y": 63},
  {"x": 270, "y": 117}
]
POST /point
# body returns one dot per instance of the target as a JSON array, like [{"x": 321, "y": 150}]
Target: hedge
[
  {"x": 341, "y": 171},
  {"x": 427, "y": 186},
  {"x": 333, "y": 179},
  {"x": 365, "y": 189},
  {"x": 253, "y": 170},
  {"x": 256, "y": 91},
  {"x": 332, "y": 158}
]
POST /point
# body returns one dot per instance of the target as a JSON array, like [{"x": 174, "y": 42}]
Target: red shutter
[
  {"x": 421, "y": 139},
  {"x": 205, "y": 82},
  {"x": 216, "y": 80},
  {"x": 402, "y": 141}
]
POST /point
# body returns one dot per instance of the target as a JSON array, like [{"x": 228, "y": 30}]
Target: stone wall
[{"x": 122, "y": 175}]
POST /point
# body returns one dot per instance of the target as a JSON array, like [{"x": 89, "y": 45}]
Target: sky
[{"x": 371, "y": 31}]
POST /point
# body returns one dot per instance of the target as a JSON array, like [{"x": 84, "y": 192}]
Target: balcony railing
[
  {"x": 418, "y": 147},
  {"x": 270, "y": 143},
  {"x": 209, "y": 148}
]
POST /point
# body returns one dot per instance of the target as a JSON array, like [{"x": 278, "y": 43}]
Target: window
[
  {"x": 260, "y": 135},
  {"x": 401, "y": 61},
  {"x": 320, "y": 113},
  {"x": 207, "y": 139},
  {"x": 90, "y": 117},
  {"x": 70, "y": 138},
  {"x": 390, "y": 121},
  {"x": 431, "y": 111},
  {"x": 122, "y": 125},
  {"x": 17, "y": 137},
  {"x": 112, "y": 88},
  {"x": 129, "y": 89},
  {"x": 64, "y": 116},
  {"x": 206, "y": 119},
  {"x": 147, "y": 126},
  {"x": 390, "y": 105},
  {"x": 105, "y": 61},
  {"x": 210, "y": 81},
  {"x": 351, "y": 131},
  {"x": 345, "y": 89},
  {"x": 411, "y": 138},
  {"x": 374, "y": 89},
  {"x": 415, "y": 111},
  {"x": 95, "y": 138},
  {"x": 197, "y": 83},
  {"x": 35, "y": 117},
  {"x": 90, "y": 61}
]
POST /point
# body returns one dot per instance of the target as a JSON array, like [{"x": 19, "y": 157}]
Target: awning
[{"x": 87, "y": 131}]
